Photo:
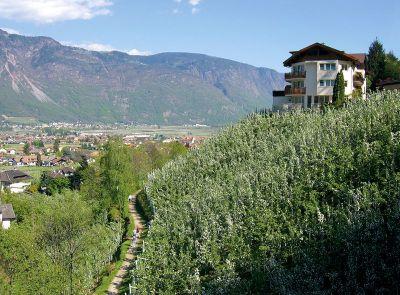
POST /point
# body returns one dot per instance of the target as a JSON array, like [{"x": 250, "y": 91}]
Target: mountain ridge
[{"x": 40, "y": 77}]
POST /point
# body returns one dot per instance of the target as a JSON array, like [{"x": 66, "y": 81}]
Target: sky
[{"x": 257, "y": 32}]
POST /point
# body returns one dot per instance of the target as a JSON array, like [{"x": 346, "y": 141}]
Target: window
[
  {"x": 345, "y": 83},
  {"x": 323, "y": 83},
  {"x": 298, "y": 69},
  {"x": 327, "y": 67},
  {"x": 322, "y": 99},
  {"x": 344, "y": 67},
  {"x": 297, "y": 99},
  {"x": 298, "y": 84}
]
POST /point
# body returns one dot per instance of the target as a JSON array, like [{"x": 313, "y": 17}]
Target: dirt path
[{"x": 131, "y": 253}]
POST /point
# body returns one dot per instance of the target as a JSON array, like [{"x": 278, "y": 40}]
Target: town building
[
  {"x": 14, "y": 180},
  {"x": 313, "y": 73},
  {"x": 389, "y": 84},
  {"x": 6, "y": 215}
]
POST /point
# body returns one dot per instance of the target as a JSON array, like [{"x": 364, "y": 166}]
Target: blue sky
[{"x": 258, "y": 32}]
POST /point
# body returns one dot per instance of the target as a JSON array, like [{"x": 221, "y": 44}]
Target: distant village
[{"x": 27, "y": 151}]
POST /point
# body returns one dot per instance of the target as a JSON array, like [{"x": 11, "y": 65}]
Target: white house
[
  {"x": 14, "y": 180},
  {"x": 6, "y": 215},
  {"x": 313, "y": 73}
]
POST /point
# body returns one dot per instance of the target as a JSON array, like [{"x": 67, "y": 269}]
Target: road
[{"x": 131, "y": 253}]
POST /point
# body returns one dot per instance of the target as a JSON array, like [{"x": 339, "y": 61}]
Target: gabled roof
[
  {"x": 301, "y": 54},
  {"x": 13, "y": 176},
  {"x": 7, "y": 211}
]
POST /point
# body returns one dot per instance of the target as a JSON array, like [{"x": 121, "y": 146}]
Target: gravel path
[{"x": 131, "y": 253}]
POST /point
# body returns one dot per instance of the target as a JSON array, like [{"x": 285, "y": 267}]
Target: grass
[
  {"x": 106, "y": 280},
  {"x": 21, "y": 120},
  {"x": 115, "y": 266},
  {"x": 33, "y": 171}
]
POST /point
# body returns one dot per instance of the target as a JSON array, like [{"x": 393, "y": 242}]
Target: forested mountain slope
[
  {"x": 41, "y": 78},
  {"x": 283, "y": 204}
]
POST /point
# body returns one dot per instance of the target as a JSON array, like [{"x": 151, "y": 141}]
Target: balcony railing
[
  {"x": 295, "y": 75},
  {"x": 289, "y": 90},
  {"x": 358, "y": 80}
]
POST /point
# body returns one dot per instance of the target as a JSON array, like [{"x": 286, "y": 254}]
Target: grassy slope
[{"x": 253, "y": 207}]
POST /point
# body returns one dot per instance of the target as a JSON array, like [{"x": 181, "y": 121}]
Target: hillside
[
  {"x": 303, "y": 203},
  {"x": 41, "y": 78}
]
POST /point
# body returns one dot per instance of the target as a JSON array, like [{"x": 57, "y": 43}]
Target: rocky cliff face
[{"x": 39, "y": 77}]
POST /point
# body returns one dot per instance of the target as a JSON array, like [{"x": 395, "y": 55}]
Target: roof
[
  {"x": 13, "y": 176},
  {"x": 388, "y": 82},
  {"x": 7, "y": 211},
  {"x": 361, "y": 58},
  {"x": 66, "y": 170},
  {"x": 297, "y": 55}
]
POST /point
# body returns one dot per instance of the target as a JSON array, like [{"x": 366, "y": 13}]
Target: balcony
[
  {"x": 295, "y": 75},
  {"x": 358, "y": 80},
  {"x": 295, "y": 91}
]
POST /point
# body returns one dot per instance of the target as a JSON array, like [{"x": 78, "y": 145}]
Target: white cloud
[
  {"x": 93, "y": 46},
  {"x": 195, "y": 10},
  {"x": 11, "y": 31},
  {"x": 49, "y": 11},
  {"x": 194, "y": 2},
  {"x": 138, "y": 52},
  {"x": 106, "y": 48}
]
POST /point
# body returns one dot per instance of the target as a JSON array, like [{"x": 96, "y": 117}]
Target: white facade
[
  {"x": 15, "y": 188},
  {"x": 19, "y": 187},
  {"x": 311, "y": 80},
  {"x": 5, "y": 224}
]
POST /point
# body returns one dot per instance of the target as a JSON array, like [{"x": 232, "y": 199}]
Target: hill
[
  {"x": 41, "y": 78},
  {"x": 302, "y": 203}
]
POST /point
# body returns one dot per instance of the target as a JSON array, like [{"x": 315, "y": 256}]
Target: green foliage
[
  {"x": 27, "y": 148},
  {"x": 38, "y": 143},
  {"x": 339, "y": 97},
  {"x": 301, "y": 203},
  {"x": 55, "y": 247},
  {"x": 54, "y": 185},
  {"x": 151, "y": 156},
  {"x": 392, "y": 66},
  {"x": 116, "y": 175},
  {"x": 376, "y": 63},
  {"x": 56, "y": 145},
  {"x": 145, "y": 206}
]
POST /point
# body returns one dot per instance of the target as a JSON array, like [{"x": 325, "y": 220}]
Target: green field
[
  {"x": 33, "y": 171},
  {"x": 20, "y": 120},
  {"x": 168, "y": 131}
]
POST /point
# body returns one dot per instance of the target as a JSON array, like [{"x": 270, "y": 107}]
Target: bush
[
  {"x": 283, "y": 204},
  {"x": 144, "y": 205}
]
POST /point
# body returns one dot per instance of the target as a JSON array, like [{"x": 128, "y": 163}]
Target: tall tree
[
  {"x": 392, "y": 66},
  {"x": 27, "y": 148},
  {"x": 376, "y": 63},
  {"x": 117, "y": 175},
  {"x": 339, "y": 96},
  {"x": 56, "y": 145}
]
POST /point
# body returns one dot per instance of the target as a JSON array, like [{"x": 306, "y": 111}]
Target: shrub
[{"x": 284, "y": 204}]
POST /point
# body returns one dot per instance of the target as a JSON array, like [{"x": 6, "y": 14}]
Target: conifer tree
[
  {"x": 339, "y": 97},
  {"x": 376, "y": 63}
]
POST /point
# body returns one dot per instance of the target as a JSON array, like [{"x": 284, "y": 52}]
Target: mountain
[{"x": 41, "y": 78}]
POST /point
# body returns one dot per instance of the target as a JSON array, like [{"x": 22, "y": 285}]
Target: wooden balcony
[
  {"x": 295, "y": 91},
  {"x": 295, "y": 75},
  {"x": 358, "y": 80}
]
